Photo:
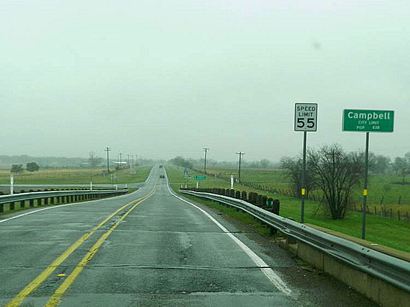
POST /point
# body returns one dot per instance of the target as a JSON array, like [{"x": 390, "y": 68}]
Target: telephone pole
[
  {"x": 205, "y": 151},
  {"x": 240, "y": 153},
  {"x": 107, "y": 149}
]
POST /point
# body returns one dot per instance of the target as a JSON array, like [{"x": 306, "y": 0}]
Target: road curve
[{"x": 150, "y": 248}]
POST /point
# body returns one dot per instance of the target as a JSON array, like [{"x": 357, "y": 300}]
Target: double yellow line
[{"x": 56, "y": 297}]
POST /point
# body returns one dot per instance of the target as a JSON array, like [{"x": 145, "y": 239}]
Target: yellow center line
[
  {"x": 35, "y": 283},
  {"x": 55, "y": 299}
]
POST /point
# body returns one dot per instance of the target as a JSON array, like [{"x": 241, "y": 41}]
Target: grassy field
[
  {"x": 385, "y": 192},
  {"x": 383, "y": 231},
  {"x": 77, "y": 176}
]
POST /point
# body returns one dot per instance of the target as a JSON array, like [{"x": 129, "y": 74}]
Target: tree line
[
  {"x": 336, "y": 173},
  {"x": 19, "y": 168}
]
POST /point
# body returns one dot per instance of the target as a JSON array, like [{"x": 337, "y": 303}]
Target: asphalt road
[{"x": 150, "y": 248}]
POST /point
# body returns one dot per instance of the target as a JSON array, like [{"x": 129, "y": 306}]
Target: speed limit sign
[
  {"x": 306, "y": 121},
  {"x": 306, "y": 117}
]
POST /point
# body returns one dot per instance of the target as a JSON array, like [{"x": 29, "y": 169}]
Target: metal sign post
[
  {"x": 305, "y": 120},
  {"x": 366, "y": 176},
  {"x": 367, "y": 121},
  {"x": 199, "y": 178}
]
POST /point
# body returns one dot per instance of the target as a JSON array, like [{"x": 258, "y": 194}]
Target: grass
[
  {"x": 388, "y": 232},
  {"x": 77, "y": 176},
  {"x": 385, "y": 191}
]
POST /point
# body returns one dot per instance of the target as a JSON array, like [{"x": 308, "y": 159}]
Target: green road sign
[
  {"x": 200, "y": 178},
  {"x": 368, "y": 120}
]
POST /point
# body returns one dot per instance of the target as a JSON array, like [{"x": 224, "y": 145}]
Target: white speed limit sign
[{"x": 306, "y": 117}]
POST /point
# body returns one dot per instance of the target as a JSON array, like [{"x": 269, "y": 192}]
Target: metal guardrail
[
  {"x": 66, "y": 196},
  {"x": 390, "y": 269}
]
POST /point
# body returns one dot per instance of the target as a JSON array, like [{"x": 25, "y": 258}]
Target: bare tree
[
  {"x": 94, "y": 160},
  {"x": 401, "y": 166},
  {"x": 335, "y": 173},
  {"x": 293, "y": 168}
]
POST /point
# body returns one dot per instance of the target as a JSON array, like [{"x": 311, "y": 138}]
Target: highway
[{"x": 151, "y": 248}]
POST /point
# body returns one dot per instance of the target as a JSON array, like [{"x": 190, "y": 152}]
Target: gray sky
[{"x": 166, "y": 78}]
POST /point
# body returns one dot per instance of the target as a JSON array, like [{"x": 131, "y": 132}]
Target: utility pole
[
  {"x": 107, "y": 149},
  {"x": 120, "y": 159},
  {"x": 128, "y": 160},
  {"x": 205, "y": 151},
  {"x": 240, "y": 153}
]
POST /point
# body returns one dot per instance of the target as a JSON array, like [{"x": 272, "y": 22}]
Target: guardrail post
[
  {"x": 46, "y": 201},
  {"x": 12, "y": 206},
  {"x": 244, "y": 196},
  {"x": 22, "y": 204},
  {"x": 276, "y": 206},
  {"x": 31, "y": 203}
]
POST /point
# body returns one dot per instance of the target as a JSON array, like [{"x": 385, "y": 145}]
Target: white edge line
[{"x": 269, "y": 273}]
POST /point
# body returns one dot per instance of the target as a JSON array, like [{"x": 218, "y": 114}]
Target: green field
[
  {"x": 385, "y": 191},
  {"x": 383, "y": 231},
  {"x": 77, "y": 176}
]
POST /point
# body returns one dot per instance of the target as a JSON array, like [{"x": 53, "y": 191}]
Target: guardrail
[
  {"x": 392, "y": 270},
  {"x": 36, "y": 199}
]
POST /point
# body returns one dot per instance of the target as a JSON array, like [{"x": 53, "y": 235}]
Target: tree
[
  {"x": 293, "y": 168},
  {"x": 401, "y": 166},
  {"x": 94, "y": 160},
  {"x": 16, "y": 168},
  {"x": 335, "y": 173},
  {"x": 182, "y": 162},
  {"x": 265, "y": 163},
  {"x": 32, "y": 167},
  {"x": 381, "y": 164}
]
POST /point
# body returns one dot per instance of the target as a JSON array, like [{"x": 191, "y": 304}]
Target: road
[{"x": 150, "y": 248}]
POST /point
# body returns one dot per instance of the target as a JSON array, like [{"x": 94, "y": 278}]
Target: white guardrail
[{"x": 390, "y": 269}]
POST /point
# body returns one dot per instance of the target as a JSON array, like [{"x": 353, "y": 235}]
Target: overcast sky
[{"x": 166, "y": 78}]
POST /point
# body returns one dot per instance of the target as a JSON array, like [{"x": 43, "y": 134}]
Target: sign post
[
  {"x": 305, "y": 120},
  {"x": 199, "y": 178},
  {"x": 367, "y": 121}
]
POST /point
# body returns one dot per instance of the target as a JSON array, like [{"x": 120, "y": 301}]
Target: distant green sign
[
  {"x": 200, "y": 178},
  {"x": 368, "y": 120}
]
